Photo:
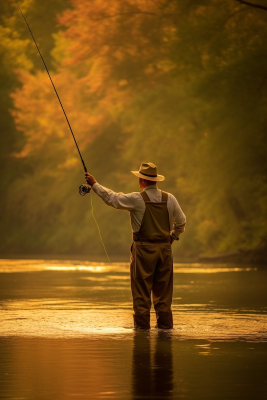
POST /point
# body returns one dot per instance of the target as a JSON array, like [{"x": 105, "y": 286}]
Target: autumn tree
[{"x": 179, "y": 84}]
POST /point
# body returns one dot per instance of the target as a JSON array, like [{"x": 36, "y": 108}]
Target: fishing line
[
  {"x": 104, "y": 245},
  {"x": 83, "y": 189}
]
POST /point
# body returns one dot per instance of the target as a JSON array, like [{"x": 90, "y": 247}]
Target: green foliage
[{"x": 181, "y": 84}]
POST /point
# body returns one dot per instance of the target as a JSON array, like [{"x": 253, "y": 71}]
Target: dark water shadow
[{"x": 152, "y": 365}]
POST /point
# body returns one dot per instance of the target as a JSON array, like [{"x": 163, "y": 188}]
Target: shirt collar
[{"x": 151, "y": 187}]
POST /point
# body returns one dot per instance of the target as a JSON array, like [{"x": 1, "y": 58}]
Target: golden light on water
[
  {"x": 7, "y": 265},
  {"x": 73, "y": 299},
  {"x": 67, "y": 330}
]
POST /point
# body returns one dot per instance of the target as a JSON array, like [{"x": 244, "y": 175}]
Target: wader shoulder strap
[
  {"x": 145, "y": 196},
  {"x": 164, "y": 196}
]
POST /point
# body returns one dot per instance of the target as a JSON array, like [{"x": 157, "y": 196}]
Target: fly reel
[{"x": 84, "y": 189}]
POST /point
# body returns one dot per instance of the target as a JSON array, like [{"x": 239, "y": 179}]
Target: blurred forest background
[{"x": 182, "y": 84}]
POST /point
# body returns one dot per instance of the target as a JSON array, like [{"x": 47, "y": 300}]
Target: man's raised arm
[{"x": 119, "y": 201}]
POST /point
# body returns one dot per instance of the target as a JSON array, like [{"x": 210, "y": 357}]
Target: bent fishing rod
[{"x": 83, "y": 189}]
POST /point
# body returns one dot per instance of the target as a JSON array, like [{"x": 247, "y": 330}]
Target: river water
[{"x": 67, "y": 332}]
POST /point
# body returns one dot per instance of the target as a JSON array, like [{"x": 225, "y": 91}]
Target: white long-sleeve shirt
[{"x": 134, "y": 203}]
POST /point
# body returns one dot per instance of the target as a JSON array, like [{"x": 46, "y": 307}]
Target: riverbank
[{"x": 255, "y": 256}]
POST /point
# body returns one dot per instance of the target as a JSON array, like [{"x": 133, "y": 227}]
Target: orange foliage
[
  {"x": 38, "y": 113},
  {"x": 95, "y": 78}
]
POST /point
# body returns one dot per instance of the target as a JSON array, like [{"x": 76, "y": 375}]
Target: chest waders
[{"x": 152, "y": 266}]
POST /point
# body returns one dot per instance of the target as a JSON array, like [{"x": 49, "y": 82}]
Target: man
[{"x": 152, "y": 213}]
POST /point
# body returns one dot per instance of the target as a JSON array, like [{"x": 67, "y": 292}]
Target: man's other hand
[
  {"x": 172, "y": 239},
  {"x": 89, "y": 179}
]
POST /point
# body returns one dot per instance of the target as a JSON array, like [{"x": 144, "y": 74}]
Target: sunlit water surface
[{"x": 67, "y": 331}]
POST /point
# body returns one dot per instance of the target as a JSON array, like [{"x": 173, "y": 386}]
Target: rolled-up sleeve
[{"x": 120, "y": 201}]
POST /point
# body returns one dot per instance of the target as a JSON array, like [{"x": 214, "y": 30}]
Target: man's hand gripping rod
[{"x": 83, "y": 189}]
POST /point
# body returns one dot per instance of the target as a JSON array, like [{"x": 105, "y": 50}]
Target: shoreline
[{"x": 237, "y": 257}]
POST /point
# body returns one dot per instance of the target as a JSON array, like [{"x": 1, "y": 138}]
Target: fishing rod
[{"x": 83, "y": 189}]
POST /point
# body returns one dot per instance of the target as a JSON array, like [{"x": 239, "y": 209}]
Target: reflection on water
[
  {"x": 152, "y": 366},
  {"x": 66, "y": 331}
]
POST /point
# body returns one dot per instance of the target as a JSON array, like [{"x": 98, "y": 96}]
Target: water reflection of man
[
  {"x": 152, "y": 366},
  {"x": 153, "y": 213}
]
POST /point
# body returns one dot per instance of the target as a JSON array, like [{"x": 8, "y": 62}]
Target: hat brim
[{"x": 148, "y": 178}]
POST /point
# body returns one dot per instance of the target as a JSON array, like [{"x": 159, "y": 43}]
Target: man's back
[{"x": 134, "y": 203}]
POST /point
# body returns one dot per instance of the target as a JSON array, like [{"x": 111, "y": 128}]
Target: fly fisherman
[{"x": 152, "y": 214}]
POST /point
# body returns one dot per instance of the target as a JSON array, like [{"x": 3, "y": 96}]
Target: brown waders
[{"x": 152, "y": 266}]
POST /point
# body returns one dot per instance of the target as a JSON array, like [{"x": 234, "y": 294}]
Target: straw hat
[{"x": 149, "y": 172}]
